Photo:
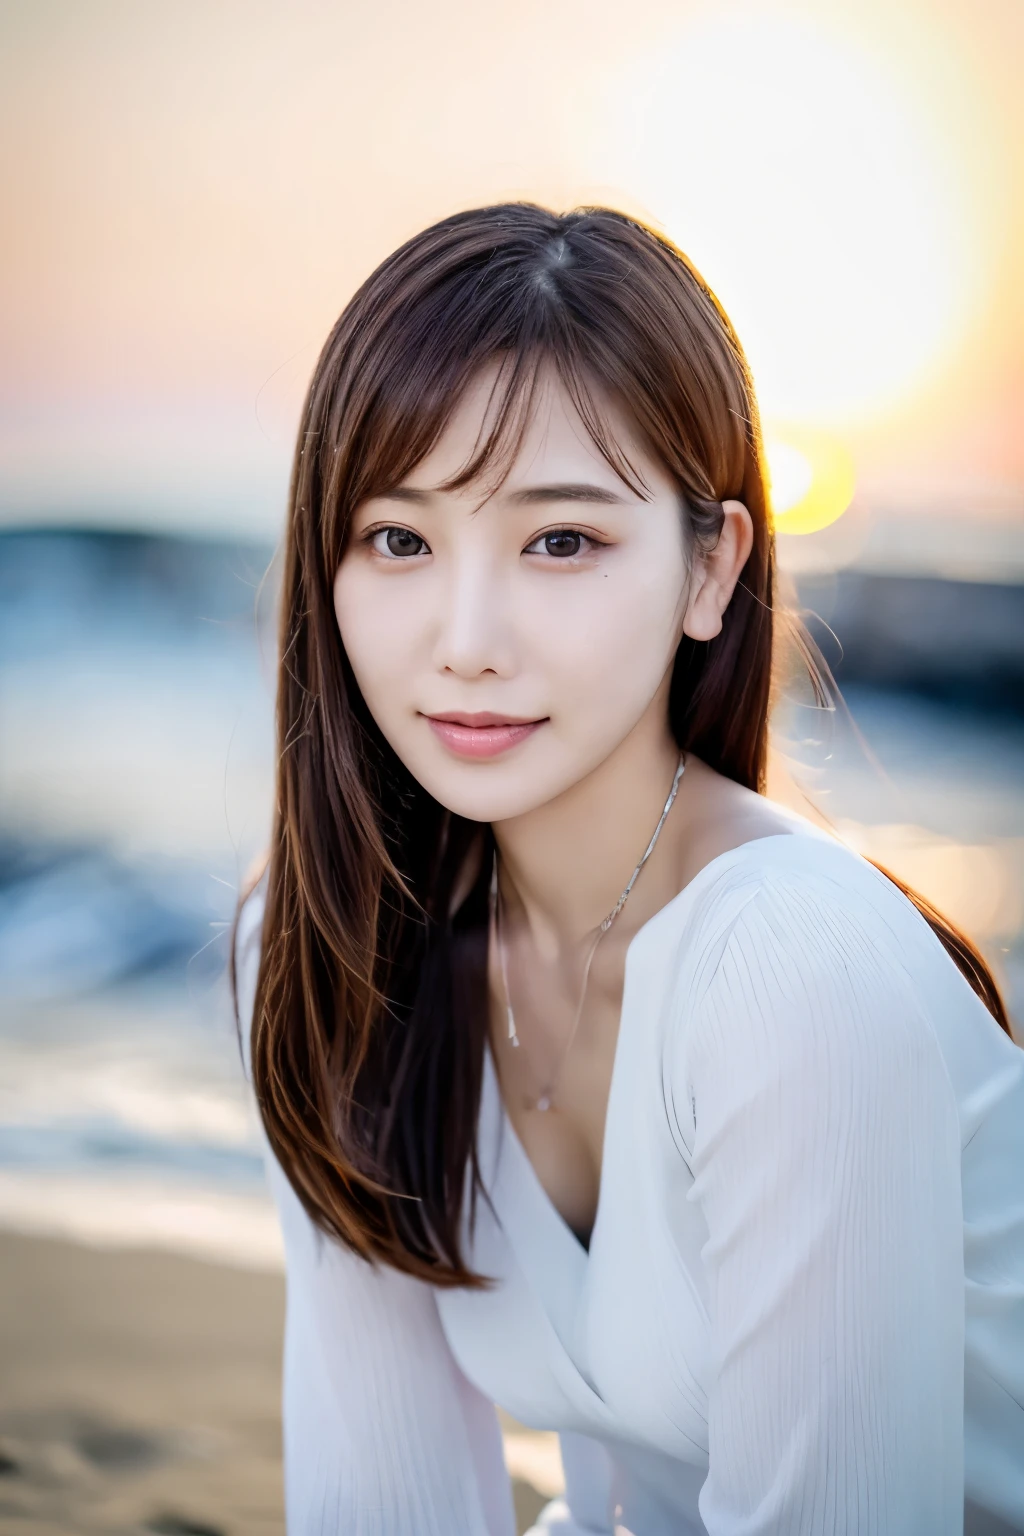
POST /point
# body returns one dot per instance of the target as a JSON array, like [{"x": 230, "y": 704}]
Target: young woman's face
[{"x": 507, "y": 644}]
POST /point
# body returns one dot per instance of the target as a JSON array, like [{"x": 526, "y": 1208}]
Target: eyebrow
[
  {"x": 599, "y": 494},
  {"x": 530, "y": 496},
  {"x": 403, "y": 493}
]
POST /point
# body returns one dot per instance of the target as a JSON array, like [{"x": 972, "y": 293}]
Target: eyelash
[
  {"x": 590, "y": 541},
  {"x": 371, "y": 535}
]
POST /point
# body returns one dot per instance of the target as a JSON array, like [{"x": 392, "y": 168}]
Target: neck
[{"x": 565, "y": 864}]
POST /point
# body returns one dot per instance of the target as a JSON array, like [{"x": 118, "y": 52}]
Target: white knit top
[{"x": 802, "y": 1309}]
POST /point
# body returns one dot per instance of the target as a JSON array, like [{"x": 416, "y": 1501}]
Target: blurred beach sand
[{"x": 140, "y": 1394}]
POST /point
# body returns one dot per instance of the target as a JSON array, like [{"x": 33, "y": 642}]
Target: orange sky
[{"x": 193, "y": 190}]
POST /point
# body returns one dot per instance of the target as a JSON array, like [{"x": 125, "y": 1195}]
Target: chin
[
  {"x": 486, "y": 803},
  {"x": 489, "y": 792}
]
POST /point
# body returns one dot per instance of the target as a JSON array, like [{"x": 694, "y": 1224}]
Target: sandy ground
[{"x": 139, "y": 1394}]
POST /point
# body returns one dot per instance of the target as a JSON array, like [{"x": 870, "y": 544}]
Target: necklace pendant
[
  {"x": 543, "y": 1102},
  {"x": 513, "y": 1036}
]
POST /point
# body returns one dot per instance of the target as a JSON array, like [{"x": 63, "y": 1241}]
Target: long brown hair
[{"x": 369, "y": 1024}]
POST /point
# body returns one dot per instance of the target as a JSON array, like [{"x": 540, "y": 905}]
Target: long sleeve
[
  {"x": 383, "y": 1434},
  {"x": 826, "y": 1164},
  {"x": 585, "y": 1507}
]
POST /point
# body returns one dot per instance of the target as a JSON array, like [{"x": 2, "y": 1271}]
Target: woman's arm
[
  {"x": 383, "y": 1435},
  {"x": 826, "y": 1159},
  {"x": 585, "y": 1507}
]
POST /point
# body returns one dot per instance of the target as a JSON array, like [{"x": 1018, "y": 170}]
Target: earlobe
[{"x": 703, "y": 618}]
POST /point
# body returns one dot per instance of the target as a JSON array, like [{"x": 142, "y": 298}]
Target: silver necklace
[{"x": 543, "y": 1101}]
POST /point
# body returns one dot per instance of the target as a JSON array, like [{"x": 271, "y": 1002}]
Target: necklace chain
[{"x": 543, "y": 1102}]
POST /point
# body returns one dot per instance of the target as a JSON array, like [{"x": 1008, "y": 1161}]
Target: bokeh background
[{"x": 191, "y": 193}]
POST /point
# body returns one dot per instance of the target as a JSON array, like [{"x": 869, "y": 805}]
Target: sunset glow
[
  {"x": 816, "y": 190},
  {"x": 193, "y": 201}
]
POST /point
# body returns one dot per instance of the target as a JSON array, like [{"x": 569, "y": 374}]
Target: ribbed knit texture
[
  {"x": 803, "y": 1307},
  {"x": 827, "y": 1166}
]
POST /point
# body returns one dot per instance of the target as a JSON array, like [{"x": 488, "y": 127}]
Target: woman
[{"x": 597, "y": 1085}]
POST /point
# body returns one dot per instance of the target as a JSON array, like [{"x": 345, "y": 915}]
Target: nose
[{"x": 474, "y": 633}]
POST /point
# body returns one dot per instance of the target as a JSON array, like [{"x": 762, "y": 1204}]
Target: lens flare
[{"x": 812, "y": 480}]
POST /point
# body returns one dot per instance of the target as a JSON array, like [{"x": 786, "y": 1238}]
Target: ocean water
[{"x": 135, "y": 790}]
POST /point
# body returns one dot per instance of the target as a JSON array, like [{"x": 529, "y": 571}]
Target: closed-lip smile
[{"x": 481, "y": 734}]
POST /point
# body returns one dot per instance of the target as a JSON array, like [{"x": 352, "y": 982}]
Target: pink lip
[{"x": 480, "y": 735}]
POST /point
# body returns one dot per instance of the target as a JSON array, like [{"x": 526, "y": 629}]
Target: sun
[
  {"x": 811, "y": 479},
  {"x": 814, "y": 196}
]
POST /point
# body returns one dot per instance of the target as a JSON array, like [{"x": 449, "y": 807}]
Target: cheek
[
  {"x": 378, "y": 633},
  {"x": 610, "y": 641}
]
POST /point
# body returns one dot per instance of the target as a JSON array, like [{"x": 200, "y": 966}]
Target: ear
[{"x": 715, "y": 575}]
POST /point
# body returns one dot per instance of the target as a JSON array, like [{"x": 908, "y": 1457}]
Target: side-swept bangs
[{"x": 528, "y": 292}]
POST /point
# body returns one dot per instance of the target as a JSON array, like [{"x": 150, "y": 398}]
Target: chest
[
  {"x": 555, "y": 1075},
  {"x": 613, "y": 1342}
]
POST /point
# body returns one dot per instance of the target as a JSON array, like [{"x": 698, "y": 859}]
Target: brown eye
[
  {"x": 401, "y": 542},
  {"x": 563, "y": 543}
]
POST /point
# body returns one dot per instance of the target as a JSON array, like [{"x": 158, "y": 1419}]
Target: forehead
[{"x": 555, "y": 444}]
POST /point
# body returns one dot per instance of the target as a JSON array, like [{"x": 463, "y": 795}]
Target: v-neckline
[
  {"x": 507, "y": 1125},
  {"x": 585, "y": 1253}
]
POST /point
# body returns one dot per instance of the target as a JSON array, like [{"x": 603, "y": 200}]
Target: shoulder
[
  {"x": 249, "y": 922},
  {"x": 792, "y": 941},
  {"x": 800, "y": 914},
  {"x": 806, "y": 913},
  {"x": 798, "y": 892},
  {"x": 247, "y": 943},
  {"x": 805, "y": 988}
]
